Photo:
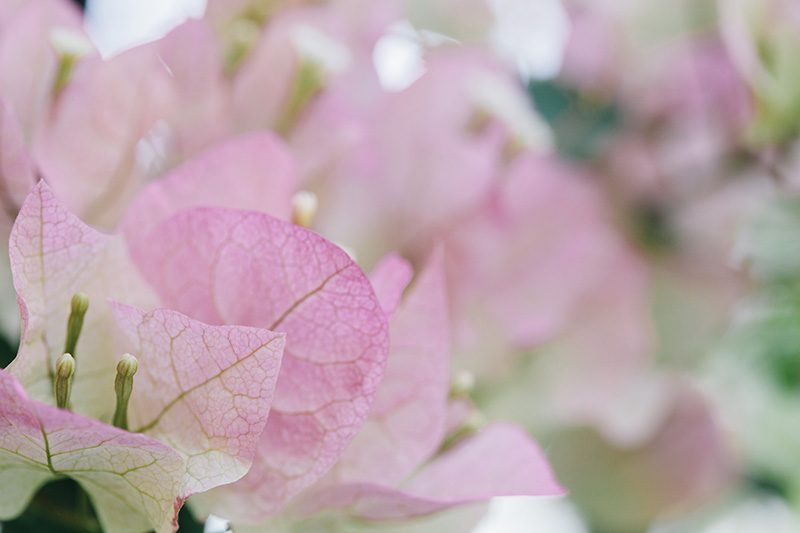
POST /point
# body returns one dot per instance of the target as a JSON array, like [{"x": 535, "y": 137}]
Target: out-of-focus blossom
[
  {"x": 763, "y": 38},
  {"x": 428, "y": 155},
  {"x": 513, "y": 278},
  {"x": 685, "y": 462},
  {"x": 16, "y": 168},
  {"x": 531, "y": 34},
  {"x": 39, "y": 45},
  {"x": 123, "y": 121}
]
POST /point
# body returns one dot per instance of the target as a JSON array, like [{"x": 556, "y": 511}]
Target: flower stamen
[
  {"x": 123, "y": 386},
  {"x": 304, "y": 207},
  {"x": 78, "y": 307},
  {"x": 62, "y": 385},
  {"x": 70, "y": 46}
]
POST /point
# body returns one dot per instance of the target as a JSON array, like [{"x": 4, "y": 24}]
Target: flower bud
[
  {"x": 304, "y": 207},
  {"x": 62, "y": 380},
  {"x": 78, "y": 307},
  {"x": 70, "y": 46},
  {"x": 123, "y": 386},
  {"x": 462, "y": 384}
]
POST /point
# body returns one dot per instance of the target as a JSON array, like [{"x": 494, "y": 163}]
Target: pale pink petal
[
  {"x": 501, "y": 460},
  {"x": 103, "y": 138},
  {"x": 432, "y": 165},
  {"x": 389, "y": 278},
  {"x": 525, "y": 264},
  {"x": 16, "y": 168},
  {"x": 53, "y": 256},
  {"x": 408, "y": 420},
  {"x": 404, "y": 187},
  {"x": 9, "y": 8},
  {"x": 241, "y": 267},
  {"x": 260, "y": 164},
  {"x": 204, "y": 390},
  {"x": 128, "y": 119},
  {"x": 262, "y": 85},
  {"x": 133, "y": 480},
  {"x": 192, "y": 54},
  {"x": 28, "y": 60}
]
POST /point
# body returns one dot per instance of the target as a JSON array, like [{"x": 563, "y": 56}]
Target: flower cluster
[
  {"x": 184, "y": 334},
  {"x": 253, "y": 276}
]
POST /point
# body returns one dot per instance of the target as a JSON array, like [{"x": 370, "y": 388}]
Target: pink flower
[
  {"x": 407, "y": 424},
  {"x": 395, "y": 467},
  {"x": 244, "y": 267},
  {"x": 204, "y": 391},
  {"x": 200, "y": 400}
]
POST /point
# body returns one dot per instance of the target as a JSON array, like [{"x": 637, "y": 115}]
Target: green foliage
[
  {"x": 771, "y": 335},
  {"x": 581, "y": 125},
  {"x": 8, "y": 350}
]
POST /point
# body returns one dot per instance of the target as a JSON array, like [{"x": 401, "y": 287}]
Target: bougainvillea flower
[
  {"x": 203, "y": 391},
  {"x": 133, "y": 480},
  {"x": 394, "y": 469},
  {"x": 407, "y": 423},
  {"x": 243, "y": 267}
]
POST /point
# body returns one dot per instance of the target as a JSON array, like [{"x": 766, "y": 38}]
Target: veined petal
[
  {"x": 204, "y": 390},
  {"x": 408, "y": 421},
  {"x": 238, "y": 267},
  {"x": 133, "y": 480}
]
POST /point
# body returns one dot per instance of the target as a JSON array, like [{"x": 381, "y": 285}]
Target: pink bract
[
  {"x": 16, "y": 167},
  {"x": 265, "y": 180},
  {"x": 395, "y": 469},
  {"x": 242, "y": 267},
  {"x": 204, "y": 391},
  {"x": 29, "y": 61}
]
